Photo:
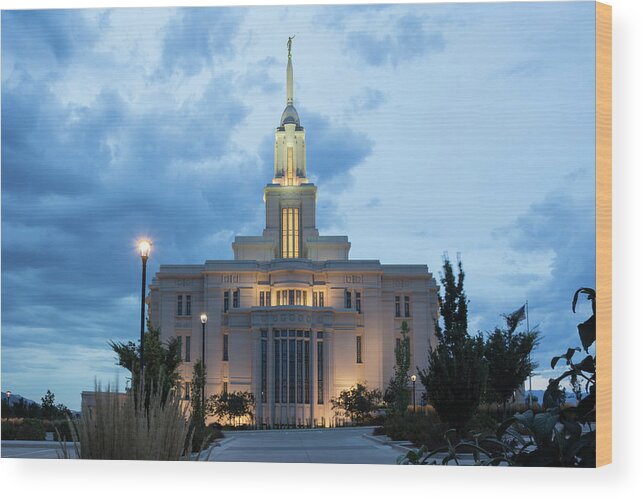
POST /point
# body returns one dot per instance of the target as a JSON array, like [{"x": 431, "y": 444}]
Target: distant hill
[
  {"x": 571, "y": 398},
  {"x": 16, "y": 399}
]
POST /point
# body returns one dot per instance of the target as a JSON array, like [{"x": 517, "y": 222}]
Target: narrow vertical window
[
  {"x": 320, "y": 372},
  {"x": 226, "y": 300},
  {"x": 397, "y": 306},
  {"x": 262, "y": 299},
  {"x": 225, "y": 387},
  {"x": 264, "y": 368},
  {"x": 358, "y": 349},
  {"x": 179, "y": 341},
  {"x": 290, "y": 167},
  {"x": 290, "y": 243},
  {"x": 291, "y": 297},
  {"x": 407, "y": 306},
  {"x": 321, "y": 298},
  {"x": 300, "y": 371},
  {"x": 277, "y": 367},
  {"x": 291, "y": 371},
  {"x": 298, "y": 297},
  {"x": 225, "y": 347},
  {"x": 307, "y": 372},
  {"x": 187, "y": 391},
  {"x": 188, "y": 348},
  {"x": 315, "y": 301},
  {"x": 235, "y": 299},
  {"x": 304, "y": 298},
  {"x": 358, "y": 302},
  {"x": 284, "y": 371},
  {"x": 179, "y": 305},
  {"x": 188, "y": 304},
  {"x": 348, "y": 299},
  {"x": 268, "y": 302}
]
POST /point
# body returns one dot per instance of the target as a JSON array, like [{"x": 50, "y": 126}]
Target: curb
[{"x": 391, "y": 443}]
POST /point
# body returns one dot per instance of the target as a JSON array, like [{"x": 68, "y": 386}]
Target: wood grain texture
[{"x": 604, "y": 233}]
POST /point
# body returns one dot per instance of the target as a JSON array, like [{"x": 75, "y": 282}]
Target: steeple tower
[
  {"x": 290, "y": 146},
  {"x": 290, "y": 199}
]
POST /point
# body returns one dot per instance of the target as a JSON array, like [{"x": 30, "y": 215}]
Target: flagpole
[{"x": 531, "y": 401}]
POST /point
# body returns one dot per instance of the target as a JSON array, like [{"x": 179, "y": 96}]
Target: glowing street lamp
[
  {"x": 8, "y": 398},
  {"x": 413, "y": 379},
  {"x": 204, "y": 321},
  {"x": 144, "y": 249}
]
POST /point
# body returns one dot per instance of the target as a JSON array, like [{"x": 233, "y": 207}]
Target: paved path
[
  {"x": 338, "y": 445},
  {"x": 31, "y": 449}
]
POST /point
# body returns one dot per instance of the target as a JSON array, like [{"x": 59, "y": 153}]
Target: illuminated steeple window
[{"x": 290, "y": 233}]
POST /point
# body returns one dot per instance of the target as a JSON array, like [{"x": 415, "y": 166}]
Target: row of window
[
  {"x": 291, "y": 297},
  {"x": 407, "y": 306},
  {"x": 186, "y": 355}
]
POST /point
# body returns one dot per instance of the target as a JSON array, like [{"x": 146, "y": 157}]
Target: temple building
[{"x": 292, "y": 318}]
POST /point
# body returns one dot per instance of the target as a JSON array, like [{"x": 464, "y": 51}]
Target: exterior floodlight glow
[
  {"x": 144, "y": 248},
  {"x": 413, "y": 378},
  {"x": 8, "y": 394},
  {"x": 204, "y": 318}
]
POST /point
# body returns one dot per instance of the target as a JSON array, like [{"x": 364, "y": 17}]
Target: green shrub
[
  {"x": 421, "y": 429},
  {"x": 22, "y": 429}
]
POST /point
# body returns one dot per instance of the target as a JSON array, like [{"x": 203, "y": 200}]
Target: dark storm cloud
[
  {"x": 559, "y": 228},
  {"x": 39, "y": 35}
]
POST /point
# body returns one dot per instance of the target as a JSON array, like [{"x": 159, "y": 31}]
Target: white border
[{"x": 52, "y": 479}]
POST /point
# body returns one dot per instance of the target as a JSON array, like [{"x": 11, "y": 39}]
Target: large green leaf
[{"x": 587, "y": 332}]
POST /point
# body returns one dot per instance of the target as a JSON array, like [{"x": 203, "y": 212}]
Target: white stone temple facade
[{"x": 292, "y": 318}]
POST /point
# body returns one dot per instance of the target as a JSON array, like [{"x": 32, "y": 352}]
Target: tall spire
[
  {"x": 290, "y": 116},
  {"x": 289, "y": 89}
]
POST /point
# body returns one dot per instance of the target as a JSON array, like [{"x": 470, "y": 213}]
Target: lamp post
[
  {"x": 413, "y": 379},
  {"x": 8, "y": 398},
  {"x": 204, "y": 321},
  {"x": 144, "y": 248}
]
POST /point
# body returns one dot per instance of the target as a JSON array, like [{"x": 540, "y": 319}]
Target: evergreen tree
[
  {"x": 508, "y": 356},
  {"x": 455, "y": 379},
  {"x": 398, "y": 395},
  {"x": 48, "y": 405}
]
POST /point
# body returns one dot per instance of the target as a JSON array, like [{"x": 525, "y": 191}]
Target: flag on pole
[{"x": 519, "y": 315}]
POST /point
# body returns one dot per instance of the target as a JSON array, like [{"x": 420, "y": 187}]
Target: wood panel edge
[{"x": 603, "y": 234}]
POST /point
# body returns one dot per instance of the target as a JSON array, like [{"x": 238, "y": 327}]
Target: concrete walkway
[
  {"x": 28, "y": 449},
  {"x": 337, "y": 445}
]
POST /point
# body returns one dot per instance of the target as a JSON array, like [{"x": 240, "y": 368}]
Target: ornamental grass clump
[{"x": 124, "y": 426}]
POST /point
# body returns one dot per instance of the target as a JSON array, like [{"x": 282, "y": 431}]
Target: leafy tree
[
  {"x": 456, "y": 376},
  {"x": 398, "y": 395},
  {"x": 231, "y": 405},
  {"x": 161, "y": 361},
  {"x": 51, "y": 410},
  {"x": 357, "y": 402},
  {"x": 48, "y": 405},
  {"x": 508, "y": 356},
  {"x": 197, "y": 403}
]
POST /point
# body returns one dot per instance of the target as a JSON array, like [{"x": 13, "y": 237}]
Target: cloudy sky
[{"x": 458, "y": 128}]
